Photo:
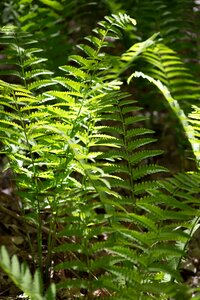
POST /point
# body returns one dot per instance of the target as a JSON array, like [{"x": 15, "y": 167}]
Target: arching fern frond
[
  {"x": 172, "y": 72},
  {"x": 180, "y": 114}
]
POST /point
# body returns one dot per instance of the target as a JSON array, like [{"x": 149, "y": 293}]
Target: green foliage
[
  {"x": 176, "y": 20},
  {"x": 194, "y": 118},
  {"x": 21, "y": 276},
  {"x": 172, "y": 72},
  {"x": 174, "y": 105},
  {"x": 80, "y": 153}
]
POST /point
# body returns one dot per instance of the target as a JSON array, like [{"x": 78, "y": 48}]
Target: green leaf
[{"x": 54, "y": 4}]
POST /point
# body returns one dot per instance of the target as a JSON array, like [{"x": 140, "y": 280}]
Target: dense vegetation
[{"x": 100, "y": 152}]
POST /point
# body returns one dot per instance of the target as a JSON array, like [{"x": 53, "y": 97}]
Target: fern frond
[
  {"x": 19, "y": 52},
  {"x": 131, "y": 54},
  {"x": 174, "y": 105},
  {"x": 76, "y": 158},
  {"x": 21, "y": 276},
  {"x": 171, "y": 71},
  {"x": 194, "y": 120}
]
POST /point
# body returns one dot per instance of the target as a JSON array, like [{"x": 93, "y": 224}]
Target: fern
[
  {"x": 22, "y": 56},
  {"x": 194, "y": 117},
  {"x": 80, "y": 155},
  {"x": 171, "y": 71},
  {"x": 125, "y": 149},
  {"x": 177, "y": 22},
  {"x": 174, "y": 105},
  {"x": 21, "y": 276}
]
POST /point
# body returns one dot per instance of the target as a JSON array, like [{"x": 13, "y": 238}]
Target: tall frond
[{"x": 174, "y": 105}]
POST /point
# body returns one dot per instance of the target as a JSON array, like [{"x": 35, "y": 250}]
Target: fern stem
[
  {"x": 51, "y": 237},
  {"x": 127, "y": 153},
  {"x": 21, "y": 63}
]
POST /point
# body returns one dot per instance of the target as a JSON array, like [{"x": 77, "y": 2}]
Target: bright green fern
[{"x": 83, "y": 170}]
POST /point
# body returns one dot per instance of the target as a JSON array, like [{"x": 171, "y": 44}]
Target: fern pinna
[{"x": 79, "y": 156}]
